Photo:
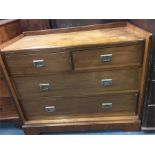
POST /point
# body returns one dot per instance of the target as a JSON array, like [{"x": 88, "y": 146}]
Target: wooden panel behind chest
[
  {"x": 3, "y": 89},
  {"x": 9, "y": 29},
  {"x": 7, "y": 109},
  {"x": 68, "y": 84},
  {"x": 69, "y": 106}
]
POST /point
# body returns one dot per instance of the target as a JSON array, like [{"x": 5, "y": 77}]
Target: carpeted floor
[{"x": 10, "y": 128}]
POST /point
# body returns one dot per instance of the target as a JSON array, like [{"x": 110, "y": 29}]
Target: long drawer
[
  {"x": 73, "y": 84},
  {"x": 105, "y": 58},
  {"x": 52, "y": 107}
]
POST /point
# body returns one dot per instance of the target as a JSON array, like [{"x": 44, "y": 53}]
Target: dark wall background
[
  {"x": 41, "y": 24},
  {"x": 147, "y": 24},
  {"x": 148, "y": 119}
]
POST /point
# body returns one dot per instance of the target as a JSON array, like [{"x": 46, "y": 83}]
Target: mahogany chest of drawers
[{"x": 76, "y": 79}]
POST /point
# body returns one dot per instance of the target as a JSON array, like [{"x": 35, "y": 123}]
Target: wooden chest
[{"x": 76, "y": 79}]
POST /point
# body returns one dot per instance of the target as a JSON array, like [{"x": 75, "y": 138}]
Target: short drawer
[
  {"x": 52, "y": 107},
  {"x": 73, "y": 84},
  {"x": 105, "y": 58},
  {"x": 30, "y": 64}
]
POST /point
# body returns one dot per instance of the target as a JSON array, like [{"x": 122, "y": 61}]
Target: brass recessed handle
[
  {"x": 44, "y": 86},
  {"x": 106, "y": 105},
  {"x": 106, "y": 82},
  {"x": 106, "y": 58},
  {"x": 50, "y": 109},
  {"x": 38, "y": 63}
]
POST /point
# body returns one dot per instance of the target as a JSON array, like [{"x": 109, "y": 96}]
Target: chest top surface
[{"x": 79, "y": 38}]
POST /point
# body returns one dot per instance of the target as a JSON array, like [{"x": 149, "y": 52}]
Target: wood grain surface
[
  {"x": 69, "y": 106},
  {"x": 7, "y": 109},
  {"x": 8, "y": 30},
  {"x": 54, "y": 62},
  {"x": 121, "y": 56},
  {"x": 91, "y": 37},
  {"x": 77, "y": 84}
]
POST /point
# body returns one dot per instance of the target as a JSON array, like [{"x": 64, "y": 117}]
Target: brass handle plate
[
  {"x": 44, "y": 86},
  {"x": 38, "y": 63},
  {"x": 106, "y": 58},
  {"x": 106, "y": 105},
  {"x": 106, "y": 82},
  {"x": 50, "y": 109}
]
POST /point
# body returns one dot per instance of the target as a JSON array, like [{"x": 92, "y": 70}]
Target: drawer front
[
  {"x": 104, "y": 58},
  {"x": 73, "y": 84},
  {"x": 51, "y": 107},
  {"x": 38, "y": 63}
]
